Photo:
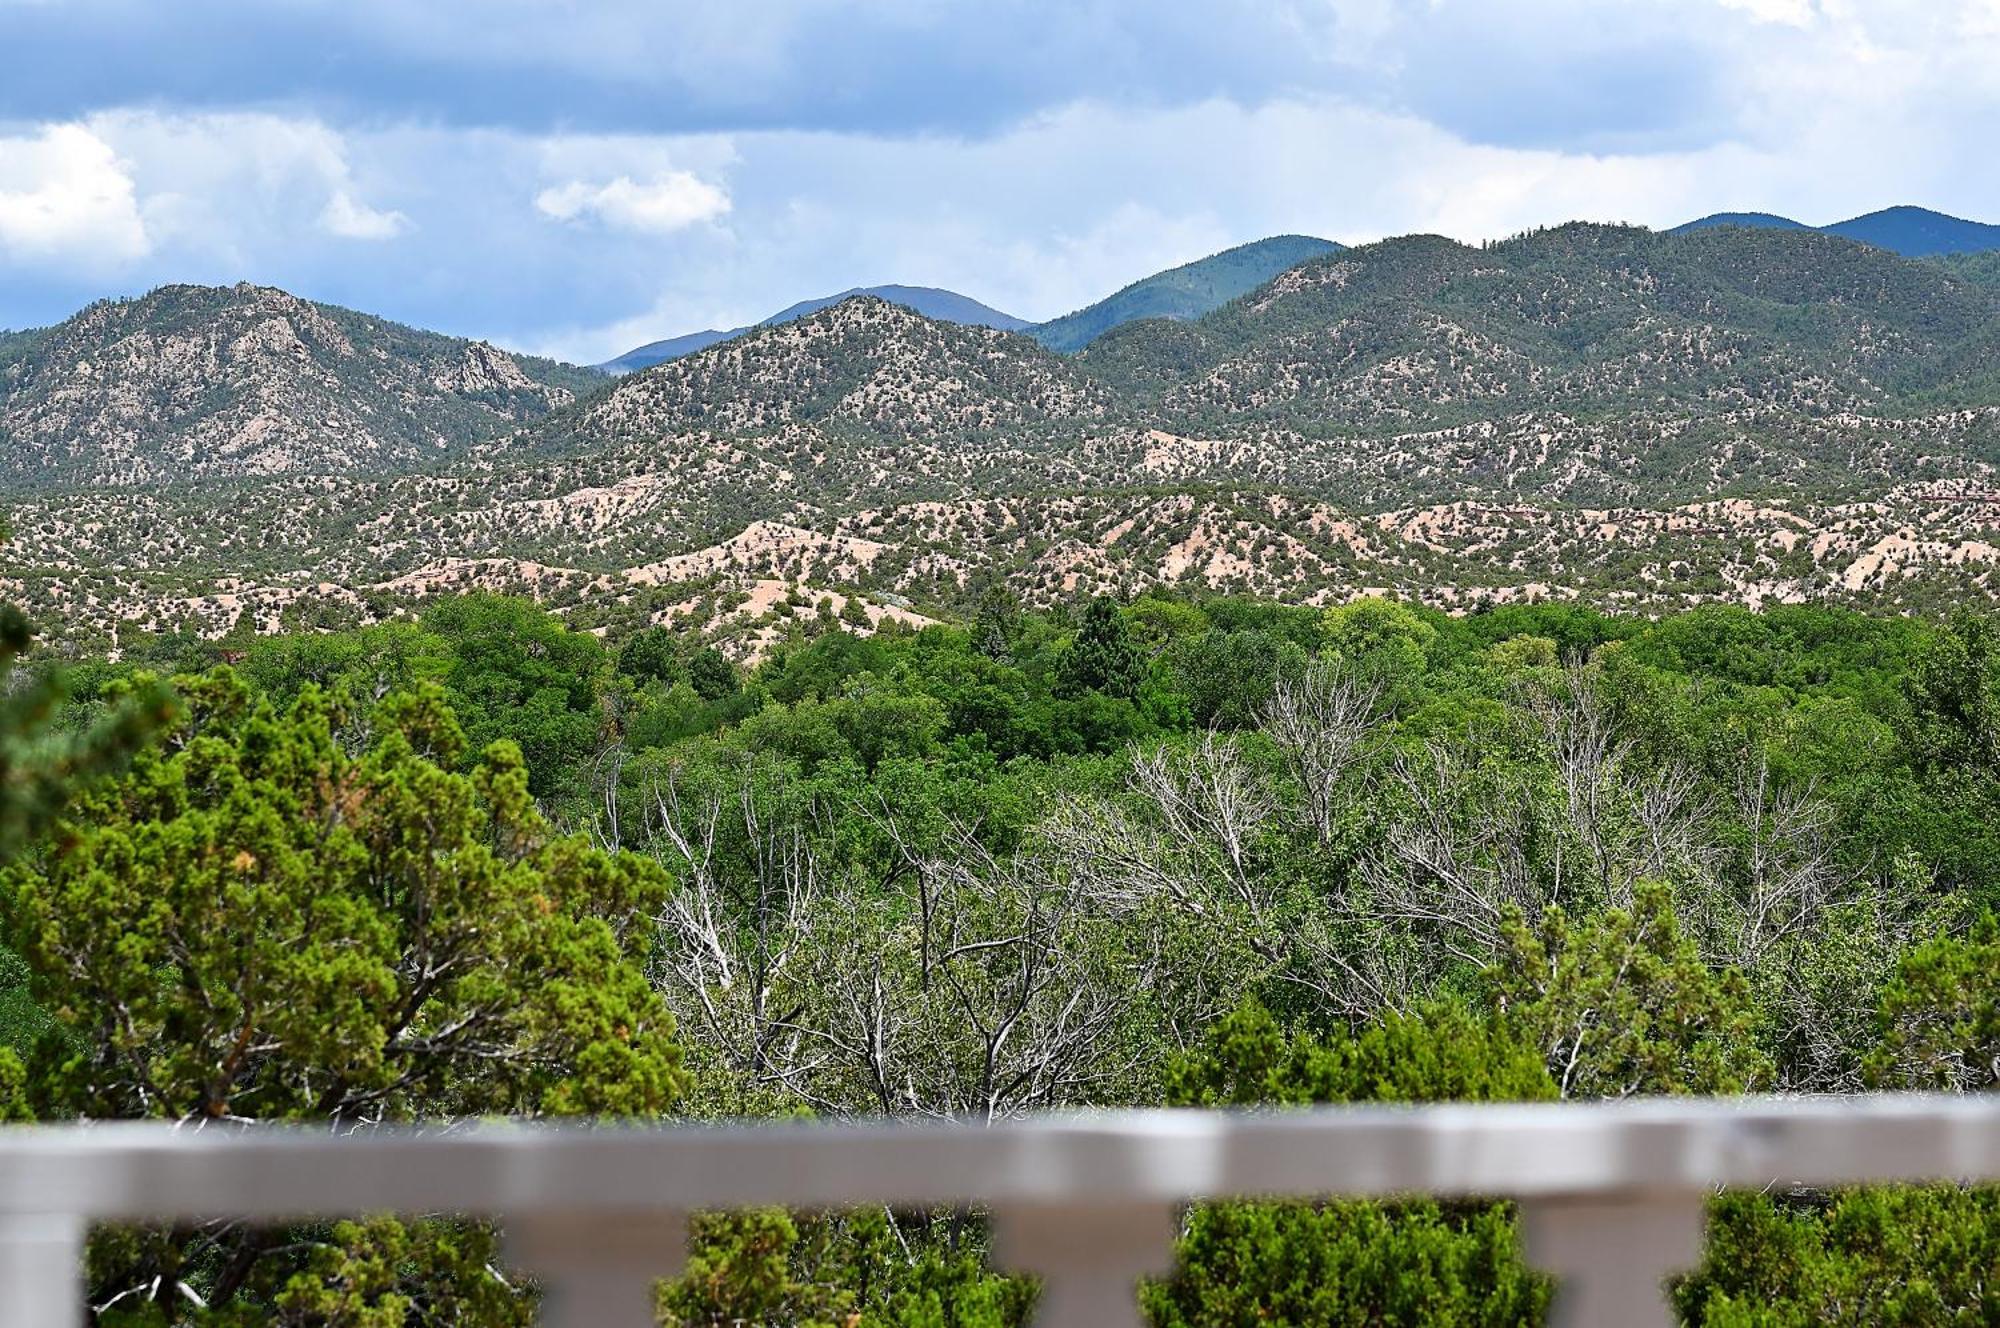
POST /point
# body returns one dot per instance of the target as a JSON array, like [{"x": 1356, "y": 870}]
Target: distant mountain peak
[
  {"x": 1917, "y": 232},
  {"x": 932, "y": 302},
  {"x": 1751, "y": 220},
  {"x": 1906, "y": 229},
  {"x": 1185, "y": 292},
  {"x": 863, "y": 362}
]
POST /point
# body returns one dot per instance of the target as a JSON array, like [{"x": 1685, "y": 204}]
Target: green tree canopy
[{"x": 295, "y": 916}]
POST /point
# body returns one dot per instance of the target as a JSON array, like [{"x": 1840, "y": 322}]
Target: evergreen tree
[
  {"x": 302, "y": 916},
  {"x": 1104, "y": 656}
]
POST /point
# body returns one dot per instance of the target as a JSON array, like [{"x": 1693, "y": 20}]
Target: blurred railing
[{"x": 1611, "y": 1196}]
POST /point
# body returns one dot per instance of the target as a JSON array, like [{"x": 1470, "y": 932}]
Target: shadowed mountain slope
[{"x": 1184, "y": 292}]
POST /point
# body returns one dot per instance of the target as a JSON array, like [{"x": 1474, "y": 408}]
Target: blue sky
[{"x": 577, "y": 176}]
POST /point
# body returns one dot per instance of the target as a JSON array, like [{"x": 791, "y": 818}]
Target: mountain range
[
  {"x": 1913, "y": 232},
  {"x": 1184, "y": 292},
  {"x": 1197, "y": 288},
  {"x": 1593, "y": 412}
]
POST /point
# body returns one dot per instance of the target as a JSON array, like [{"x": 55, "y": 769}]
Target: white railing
[{"x": 1611, "y": 1196}]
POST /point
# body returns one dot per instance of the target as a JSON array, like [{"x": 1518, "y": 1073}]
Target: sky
[{"x": 576, "y": 177}]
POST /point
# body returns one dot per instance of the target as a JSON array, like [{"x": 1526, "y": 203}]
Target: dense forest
[{"x": 1165, "y": 850}]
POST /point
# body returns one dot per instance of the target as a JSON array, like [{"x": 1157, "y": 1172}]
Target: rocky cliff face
[{"x": 197, "y": 382}]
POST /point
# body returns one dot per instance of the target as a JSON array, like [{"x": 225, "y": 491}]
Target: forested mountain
[
  {"x": 1752, "y": 220},
  {"x": 671, "y": 348},
  {"x": 1981, "y": 268},
  {"x": 1184, "y": 292},
  {"x": 1913, "y": 232},
  {"x": 1424, "y": 331},
  {"x": 1588, "y": 411},
  {"x": 1916, "y": 232},
  {"x": 943, "y": 305},
  {"x": 198, "y": 381},
  {"x": 1188, "y": 291}
]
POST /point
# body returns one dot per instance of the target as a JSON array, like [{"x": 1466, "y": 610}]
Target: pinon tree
[{"x": 313, "y": 915}]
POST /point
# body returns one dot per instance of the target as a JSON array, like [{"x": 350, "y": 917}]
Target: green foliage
[
  {"x": 657, "y": 655},
  {"x": 1339, "y": 1263},
  {"x": 284, "y": 916},
  {"x": 1227, "y": 676},
  {"x": 1731, "y": 850},
  {"x": 374, "y": 1272},
  {"x": 1441, "y": 1053},
  {"x": 42, "y": 765},
  {"x": 1104, "y": 656},
  {"x": 1384, "y": 640},
  {"x": 996, "y": 619},
  {"x": 1952, "y": 733},
  {"x": 516, "y": 672},
  {"x": 349, "y": 934},
  {"x": 1895, "y": 1257},
  {"x": 1350, "y": 1262},
  {"x": 1621, "y": 1003},
  {"x": 1940, "y": 1015},
  {"x": 850, "y": 1270}
]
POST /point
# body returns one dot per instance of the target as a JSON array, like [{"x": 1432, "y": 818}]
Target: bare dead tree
[
  {"x": 1327, "y": 721},
  {"x": 1589, "y": 760},
  {"x": 1357, "y": 965},
  {"x": 1121, "y": 860},
  {"x": 735, "y": 927},
  {"x": 607, "y": 773},
  {"x": 1671, "y": 815},
  {"x": 1789, "y": 874},
  {"x": 1211, "y": 805},
  {"x": 1000, "y": 999},
  {"x": 1454, "y": 860}
]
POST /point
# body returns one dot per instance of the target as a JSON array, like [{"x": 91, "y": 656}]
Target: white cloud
[
  {"x": 66, "y": 197},
  {"x": 1792, "y": 13},
  {"x": 670, "y": 202},
  {"x": 352, "y": 220},
  {"x": 586, "y": 243}
]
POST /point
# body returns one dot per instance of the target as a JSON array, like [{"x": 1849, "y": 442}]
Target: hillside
[
  {"x": 1981, "y": 269},
  {"x": 200, "y": 382},
  {"x": 863, "y": 363},
  {"x": 1582, "y": 319},
  {"x": 1587, "y": 412},
  {"x": 1752, "y": 220},
  {"x": 943, "y": 305},
  {"x": 672, "y": 348},
  {"x": 1185, "y": 292}
]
